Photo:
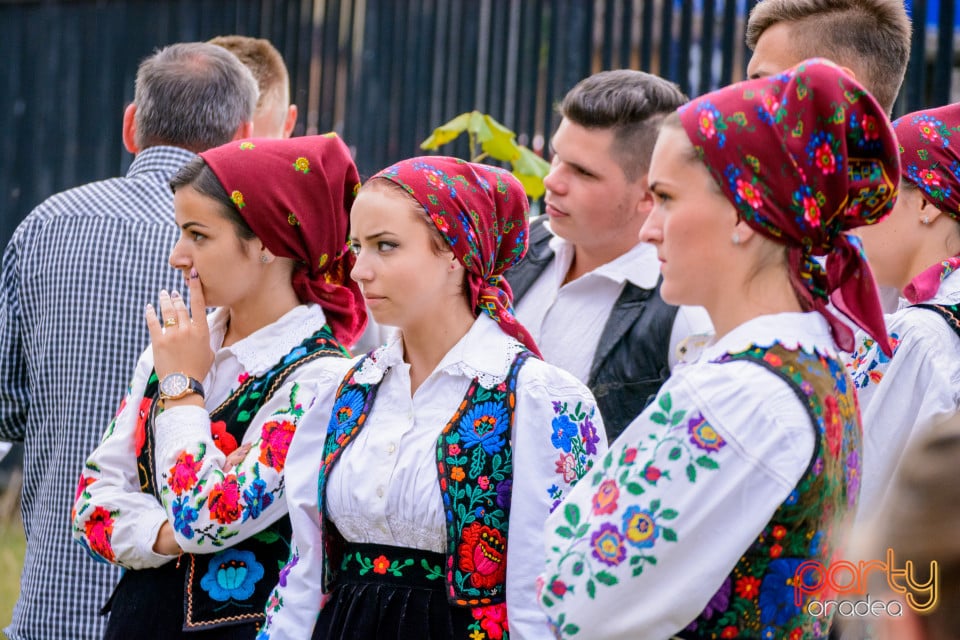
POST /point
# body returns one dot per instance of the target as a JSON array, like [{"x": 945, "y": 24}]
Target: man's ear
[
  {"x": 245, "y": 130},
  {"x": 290, "y": 122},
  {"x": 130, "y": 129}
]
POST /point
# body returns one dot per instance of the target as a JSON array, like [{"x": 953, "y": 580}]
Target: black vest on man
[{"x": 630, "y": 363}]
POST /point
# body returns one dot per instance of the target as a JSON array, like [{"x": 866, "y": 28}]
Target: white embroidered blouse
[{"x": 384, "y": 488}]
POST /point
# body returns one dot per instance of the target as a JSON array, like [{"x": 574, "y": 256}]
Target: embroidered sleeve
[
  {"x": 558, "y": 436},
  {"x": 672, "y": 499},
  {"x": 208, "y": 507},
  {"x": 113, "y": 520}
]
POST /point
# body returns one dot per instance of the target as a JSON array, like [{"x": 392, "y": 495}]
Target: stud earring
[
  {"x": 735, "y": 238},
  {"x": 263, "y": 258},
  {"x": 926, "y": 220}
]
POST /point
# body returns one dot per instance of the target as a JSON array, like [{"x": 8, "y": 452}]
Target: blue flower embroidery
[
  {"x": 232, "y": 575},
  {"x": 347, "y": 409},
  {"x": 563, "y": 430},
  {"x": 484, "y": 425},
  {"x": 296, "y": 354},
  {"x": 776, "y": 592},
  {"x": 183, "y": 515},
  {"x": 257, "y": 499}
]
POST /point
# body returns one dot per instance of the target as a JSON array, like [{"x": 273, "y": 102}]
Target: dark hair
[
  {"x": 198, "y": 175},
  {"x": 632, "y": 104},
  {"x": 192, "y": 95},
  {"x": 871, "y": 37}
]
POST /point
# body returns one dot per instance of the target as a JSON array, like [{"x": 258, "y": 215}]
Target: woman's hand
[
  {"x": 166, "y": 543},
  {"x": 181, "y": 343}
]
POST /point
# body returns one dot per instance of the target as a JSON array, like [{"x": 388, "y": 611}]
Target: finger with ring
[{"x": 170, "y": 322}]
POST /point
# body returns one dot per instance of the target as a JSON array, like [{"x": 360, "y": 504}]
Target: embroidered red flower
[
  {"x": 243, "y": 377},
  {"x": 729, "y": 632},
  {"x": 453, "y": 449},
  {"x": 825, "y": 159},
  {"x": 651, "y": 474},
  {"x": 483, "y": 555},
  {"x": 605, "y": 499},
  {"x": 225, "y": 501},
  {"x": 183, "y": 474},
  {"x": 483, "y": 482},
  {"x": 749, "y": 194},
  {"x": 275, "y": 441},
  {"x": 98, "y": 529},
  {"x": 567, "y": 467},
  {"x": 707, "y": 124},
  {"x": 776, "y": 551},
  {"x": 223, "y": 438},
  {"x": 629, "y": 456},
  {"x": 381, "y": 564},
  {"x": 748, "y": 587},
  {"x": 493, "y": 620},
  {"x": 140, "y": 434},
  {"x": 82, "y": 484},
  {"x": 871, "y": 130},
  {"x": 558, "y": 588},
  {"x": 834, "y": 427},
  {"x": 779, "y": 531}
]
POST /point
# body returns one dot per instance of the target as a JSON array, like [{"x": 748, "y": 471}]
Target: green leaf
[
  {"x": 592, "y": 589},
  {"x": 447, "y": 132},
  {"x": 634, "y": 488},
  {"x": 668, "y": 514},
  {"x": 564, "y": 532},
  {"x": 572, "y": 513},
  {"x": 707, "y": 462},
  {"x": 677, "y": 418},
  {"x": 547, "y": 602},
  {"x": 243, "y": 416},
  {"x": 267, "y": 535},
  {"x": 665, "y": 403},
  {"x": 675, "y": 453},
  {"x": 637, "y": 571},
  {"x": 530, "y": 169},
  {"x": 669, "y": 534},
  {"x": 691, "y": 473},
  {"x": 571, "y": 629},
  {"x": 606, "y": 578},
  {"x": 583, "y": 530},
  {"x": 655, "y": 505},
  {"x": 658, "y": 418}
]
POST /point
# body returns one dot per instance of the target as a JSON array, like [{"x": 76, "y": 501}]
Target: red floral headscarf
[
  {"x": 295, "y": 195},
  {"x": 805, "y": 156},
  {"x": 481, "y": 211},
  {"x": 930, "y": 156}
]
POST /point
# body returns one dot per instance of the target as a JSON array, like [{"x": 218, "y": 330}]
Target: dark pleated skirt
[
  {"x": 147, "y": 604},
  {"x": 368, "y": 601}
]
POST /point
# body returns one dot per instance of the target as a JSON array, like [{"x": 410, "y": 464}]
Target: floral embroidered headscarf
[
  {"x": 296, "y": 194},
  {"x": 930, "y": 157},
  {"x": 805, "y": 156},
  {"x": 481, "y": 211}
]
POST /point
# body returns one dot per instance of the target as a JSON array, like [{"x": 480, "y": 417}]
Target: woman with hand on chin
[
  {"x": 747, "y": 462},
  {"x": 917, "y": 250},
  {"x": 202, "y": 535},
  {"x": 449, "y": 445}
]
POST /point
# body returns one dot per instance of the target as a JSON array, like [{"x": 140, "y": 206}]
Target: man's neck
[{"x": 584, "y": 261}]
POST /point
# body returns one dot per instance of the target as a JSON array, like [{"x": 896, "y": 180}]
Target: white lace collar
[
  {"x": 807, "y": 331},
  {"x": 485, "y": 352},
  {"x": 265, "y": 347}
]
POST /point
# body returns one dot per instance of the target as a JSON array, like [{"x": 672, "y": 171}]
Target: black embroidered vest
[
  {"x": 222, "y": 588},
  {"x": 474, "y": 469}
]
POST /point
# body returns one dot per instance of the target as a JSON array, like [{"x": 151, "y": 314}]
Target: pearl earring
[
  {"x": 926, "y": 220},
  {"x": 735, "y": 238},
  {"x": 264, "y": 258}
]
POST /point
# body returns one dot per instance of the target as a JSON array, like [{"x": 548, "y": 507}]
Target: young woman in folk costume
[
  {"x": 917, "y": 250},
  {"x": 264, "y": 225},
  {"x": 747, "y": 463},
  {"x": 448, "y": 446}
]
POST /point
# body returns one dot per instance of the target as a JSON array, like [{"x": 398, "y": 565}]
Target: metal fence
[{"x": 382, "y": 73}]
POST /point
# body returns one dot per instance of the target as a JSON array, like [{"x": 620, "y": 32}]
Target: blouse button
[
  {"x": 380, "y": 491},
  {"x": 391, "y": 448}
]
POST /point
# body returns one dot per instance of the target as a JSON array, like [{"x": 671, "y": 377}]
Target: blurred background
[{"x": 381, "y": 73}]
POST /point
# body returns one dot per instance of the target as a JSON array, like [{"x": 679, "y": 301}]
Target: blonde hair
[
  {"x": 871, "y": 37},
  {"x": 264, "y": 61}
]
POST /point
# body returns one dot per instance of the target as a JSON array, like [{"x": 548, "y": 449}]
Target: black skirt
[
  {"x": 147, "y": 604},
  {"x": 383, "y": 593}
]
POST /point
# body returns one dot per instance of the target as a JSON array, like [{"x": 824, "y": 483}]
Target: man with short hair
[
  {"x": 870, "y": 39},
  {"x": 275, "y": 117},
  {"x": 588, "y": 290},
  {"x": 75, "y": 278}
]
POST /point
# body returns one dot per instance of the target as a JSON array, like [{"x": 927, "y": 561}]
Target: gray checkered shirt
[{"x": 75, "y": 278}]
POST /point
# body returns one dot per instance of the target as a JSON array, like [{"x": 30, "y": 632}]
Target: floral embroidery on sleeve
[
  {"x": 619, "y": 534},
  {"x": 868, "y": 362},
  {"x": 575, "y": 437}
]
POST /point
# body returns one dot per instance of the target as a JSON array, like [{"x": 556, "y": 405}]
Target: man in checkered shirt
[{"x": 75, "y": 278}]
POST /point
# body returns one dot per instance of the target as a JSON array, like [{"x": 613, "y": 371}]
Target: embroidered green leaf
[
  {"x": 675, "y": 453},
  {"x": 479, "y": 460},
  {"x": 578, "y": 413},
  {"x": 655, "y": 505},
  {"x": 571, "y": 629},
  {"x": 637, "y": 571},
  {"x": 591, "y": 589},
  {"x": 692, "y": 473},
  {"x": 572, "y": 513},
  {"x": 665, "y": 402},
  {"x": 243, "y": 416},
  {"x": 668, "y": 514},
  {"x": 267, "y": 535},
  {"x": 564, "y": 532},
  {"x": 634, "y": 488},
  {"x": 583, "y": 530},
  {"x": 606, "y": 578},
  {"x": 577, "y": 568},
  {"x": 677, "y": 418},
  {"x": 254, "y": 395},
  {"x": 434, "y": 572},
  {"x": 707, "y": 462},
  {"x": 650, "y": 559},
  {"x": 547, "y": 602},
  {"x": 658, "y": 417},
  {"x": 669, "y": 534}
]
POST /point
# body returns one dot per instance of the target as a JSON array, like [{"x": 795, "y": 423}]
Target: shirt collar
[
  {"x": 160, "y": 158},
  {"x": 639, "y": 266},
  {"x": 808, "y": 331},
  {"x": 265, "y": 347},
  {"x": 927, "y": 283}
]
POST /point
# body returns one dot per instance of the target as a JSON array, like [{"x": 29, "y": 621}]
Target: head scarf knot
[
  {"x": 805, "y": 156},
  {"x": 481, "y": 211},
  {"x": 930, "y": 155},
  {"x": 295, "y": 195}
]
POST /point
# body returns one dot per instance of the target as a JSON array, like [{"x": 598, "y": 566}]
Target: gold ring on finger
[{"x": 170, "y": 322}]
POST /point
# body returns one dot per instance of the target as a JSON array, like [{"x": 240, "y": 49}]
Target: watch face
[{"x": 174, "y": 385}]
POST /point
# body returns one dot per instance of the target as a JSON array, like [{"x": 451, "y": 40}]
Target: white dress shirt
[
  {"x": 384, "y": 488},
  {"x": 567, "y": 320},
  {"x": 769, "y": 442}
]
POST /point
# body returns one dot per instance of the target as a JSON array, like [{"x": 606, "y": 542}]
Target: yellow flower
[
  {"x": 477, "y": 635},
  {"x": 292, "y": 219},
  {"x": 302, "y": 164},
  {"x": 237, "y": 198},
  {"x": 323, "y": 261},
  {"x": 246, "y": 145}
]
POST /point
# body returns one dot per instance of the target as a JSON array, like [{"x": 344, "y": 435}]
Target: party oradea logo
[{"x": 842, "y": 587}]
